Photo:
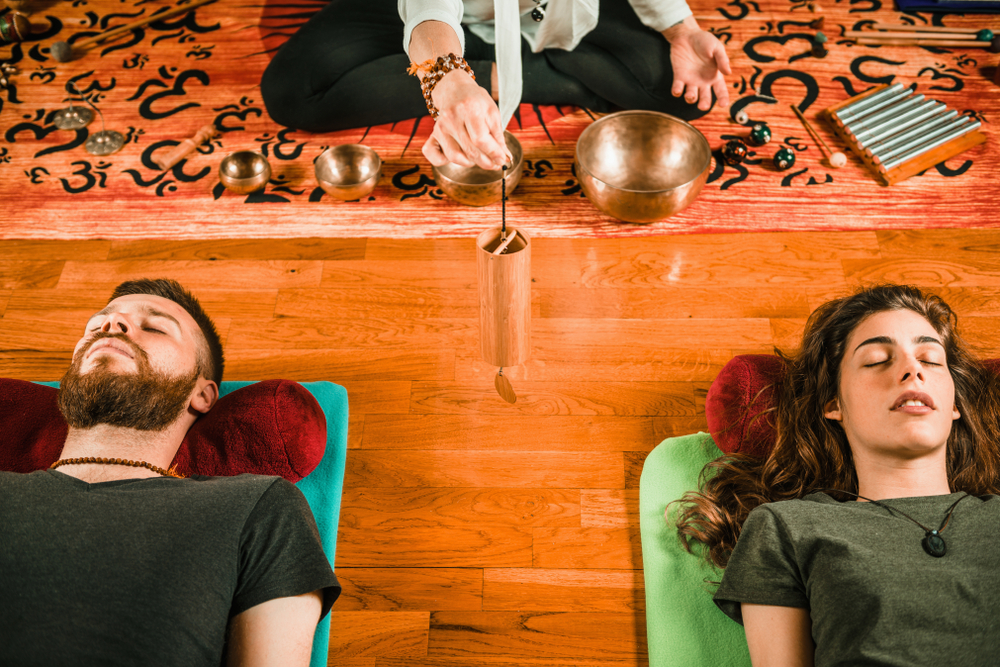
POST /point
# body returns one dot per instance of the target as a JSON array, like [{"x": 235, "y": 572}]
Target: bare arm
[
  {"x": 778, "y": 636},
  {"x": 468, "y": 129},
  {"x": 275, "y": 633}
]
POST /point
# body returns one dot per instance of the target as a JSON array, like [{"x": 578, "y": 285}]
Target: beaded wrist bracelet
[{"x": 434, "y": 71}]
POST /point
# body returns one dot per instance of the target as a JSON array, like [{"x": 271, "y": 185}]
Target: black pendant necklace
[
  {"x": 537, "y": 14},
  {"x": 932, "y": 543}
]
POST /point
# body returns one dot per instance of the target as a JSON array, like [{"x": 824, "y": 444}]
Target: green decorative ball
[
  {"x": 985, "y": 35},
  {"x": 820, "y": 38},
  {"x": 784, "y": 159},
  {"x": 760, "y": 134}
]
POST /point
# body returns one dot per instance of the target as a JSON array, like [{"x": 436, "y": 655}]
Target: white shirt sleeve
[
  {"x": 660, "y": 14},
  {"x": 415, "y": 12}
]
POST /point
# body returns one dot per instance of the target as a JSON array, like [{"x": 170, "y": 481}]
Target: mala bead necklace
[
  {"x": 932, "y": 543},
  {"x": 97, "y": 460}
]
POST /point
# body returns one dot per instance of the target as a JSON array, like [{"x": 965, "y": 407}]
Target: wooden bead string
[
  {"x": 118, "y": 462},
  {"x": 435, "y": 71}
]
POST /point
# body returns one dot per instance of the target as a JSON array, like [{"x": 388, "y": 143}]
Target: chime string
[{"x": 503, "y": 203}]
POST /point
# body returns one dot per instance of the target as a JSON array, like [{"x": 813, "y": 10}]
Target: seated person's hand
[
  {"x": 699, "y": 62},
  {"x": 467, "y": 131}
]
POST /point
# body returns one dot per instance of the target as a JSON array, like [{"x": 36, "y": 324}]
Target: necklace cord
[
  {"x": 894, "y": 510},
  {"x": 119, "y": 462}
]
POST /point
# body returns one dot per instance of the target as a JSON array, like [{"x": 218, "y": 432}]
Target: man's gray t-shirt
[
  {"x": 146, "y": 571},
  {"x": 875, "y": 597}
]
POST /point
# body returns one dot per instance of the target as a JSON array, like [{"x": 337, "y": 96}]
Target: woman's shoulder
[{"x": 807, "y": 508}]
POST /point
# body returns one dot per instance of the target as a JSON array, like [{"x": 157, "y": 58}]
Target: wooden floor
[{"x": 475, "y": 532}]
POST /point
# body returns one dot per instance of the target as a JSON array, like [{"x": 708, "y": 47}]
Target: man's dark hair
[{"x": 210, "y": 365}]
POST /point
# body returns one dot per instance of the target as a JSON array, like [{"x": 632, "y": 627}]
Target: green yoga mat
[{"x": 684, "y": 627}]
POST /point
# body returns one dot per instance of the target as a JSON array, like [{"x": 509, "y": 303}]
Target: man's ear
[
  {"x": 206, "y": 393},
  {"x": 832, "y": 410}
]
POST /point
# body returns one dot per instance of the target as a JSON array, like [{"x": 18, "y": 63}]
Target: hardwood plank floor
[{"x": 474, "y": 532}]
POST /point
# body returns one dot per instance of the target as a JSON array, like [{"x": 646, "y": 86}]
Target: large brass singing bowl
[
  {"x": 642, "y": 166},
  {"x": 474, "y": 186},
  {"x": 348, "y": 171},
  {"x": 244, "y": 172}
]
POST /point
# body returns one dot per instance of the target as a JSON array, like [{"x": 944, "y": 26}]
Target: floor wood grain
[{"x": 475, "y": 532}]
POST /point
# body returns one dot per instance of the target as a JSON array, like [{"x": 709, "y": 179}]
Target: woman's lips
[{"x": 913, "y": 402}]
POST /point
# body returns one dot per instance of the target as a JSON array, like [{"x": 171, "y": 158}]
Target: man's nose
[{"x": 116, "y": 323}]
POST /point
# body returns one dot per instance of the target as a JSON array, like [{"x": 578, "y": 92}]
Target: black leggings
[{"x": 346, "y": 68}]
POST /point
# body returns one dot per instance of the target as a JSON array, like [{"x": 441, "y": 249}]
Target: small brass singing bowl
[
  {"x": 474, "y": 186},
  {"x": 348, "y": 171},
  {"x": 244, "y": 172},
  {"x": 642, "y": 166}
]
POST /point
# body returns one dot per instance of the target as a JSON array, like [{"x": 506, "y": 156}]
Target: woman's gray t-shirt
[{"x": 874, "y": 595}]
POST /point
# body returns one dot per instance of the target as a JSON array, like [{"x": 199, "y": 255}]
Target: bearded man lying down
[{"x": 104, "y": 564}]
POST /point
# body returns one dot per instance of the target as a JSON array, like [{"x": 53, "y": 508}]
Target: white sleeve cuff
[{"x": 661, "y": 14}]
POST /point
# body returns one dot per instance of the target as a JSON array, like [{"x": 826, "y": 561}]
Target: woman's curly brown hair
[{"x": 811, "y": 452}]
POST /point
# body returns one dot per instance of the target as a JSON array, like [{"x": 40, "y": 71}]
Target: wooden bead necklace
[{"x": 118, "y": 462}]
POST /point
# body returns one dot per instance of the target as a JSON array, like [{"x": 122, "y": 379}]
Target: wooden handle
[
  {"x": 114, "y": 32},
  {"x": 187, "y": 147},
  {"x": 810, "y": 130},
  {"x": 921, "y": 28},
  {"x": 909, "y": 35}
]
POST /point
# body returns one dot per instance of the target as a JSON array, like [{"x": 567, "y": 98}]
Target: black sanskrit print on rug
[{"x": 163, "y": 82}]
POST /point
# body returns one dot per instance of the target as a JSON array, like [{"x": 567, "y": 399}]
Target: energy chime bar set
[{"x": 899, "y": 134}]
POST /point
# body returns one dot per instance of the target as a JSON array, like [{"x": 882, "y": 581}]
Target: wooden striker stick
[
  {"x": 809, "y": 128},
  {"x": 895, "y": 41},
  {"x": 114, "y": 32},
  {"x": 909, "y": 35},
  {"x": 919, "y": 28},
  {"x": 187, "y": 146}
]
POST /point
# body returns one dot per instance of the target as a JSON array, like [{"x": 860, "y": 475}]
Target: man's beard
[{"x": 147, "y": 400}]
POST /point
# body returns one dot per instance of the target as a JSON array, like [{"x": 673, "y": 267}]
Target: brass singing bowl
[
  {"x": 348, "y": 171},
  {"x": 642, "y": 166},
  {"x": 475, "y": 186},
  {"x": 244, "y": 172}
]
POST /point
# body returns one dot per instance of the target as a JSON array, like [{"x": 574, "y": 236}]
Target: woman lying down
[{"x": 870, "y": 535}]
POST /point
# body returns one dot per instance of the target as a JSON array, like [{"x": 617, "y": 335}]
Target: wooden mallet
[{"x": 63, "y": 52}]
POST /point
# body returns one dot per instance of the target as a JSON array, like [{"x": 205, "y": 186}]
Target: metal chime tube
[
  {"x": 903, "y": 123},
  {"x": 504, "y": 297},
  {"x": 852, "y": 110},
  {"x": 866, "y": 124},
  {"x": 891, "y": 143},
  {"x": 895, "y": 118},
  {"x": 932, "y": 144}
]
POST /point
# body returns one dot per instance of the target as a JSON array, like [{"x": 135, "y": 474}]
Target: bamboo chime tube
[{"x": 504, "y": 297}]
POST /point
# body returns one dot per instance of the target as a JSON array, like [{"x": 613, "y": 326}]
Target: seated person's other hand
[
  {"x": 699, "y": 62},
  {"x": 467, "y": 131}
]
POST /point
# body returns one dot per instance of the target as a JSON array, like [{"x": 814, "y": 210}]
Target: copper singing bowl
[
  {"x": 244, "y": 172},
  {"x": 348, "y": 171},
  {"x": 642, "y": 166},
  {"x": 474, "y": 186}
]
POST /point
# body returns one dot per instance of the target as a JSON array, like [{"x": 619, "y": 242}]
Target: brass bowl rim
[
  {"x": 513, "y": 169},
  {"x": 348, "y": 184},
  {"x": 240, "y": 179},
  {"x": 630, "y": 112}
]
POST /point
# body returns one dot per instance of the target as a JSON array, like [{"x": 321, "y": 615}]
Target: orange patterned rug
[{"x": 160, "y": 84}]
